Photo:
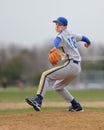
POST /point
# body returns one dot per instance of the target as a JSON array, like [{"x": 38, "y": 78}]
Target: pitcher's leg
[
  {"x": 60, "y": 89},
  {"x": 42, "y": 89},
  {"x": 65, "y": 94},
  {"x": 51, "y": 75},
  {"x": 47, "y": 76},
  {"x": 43, "y": 85}
]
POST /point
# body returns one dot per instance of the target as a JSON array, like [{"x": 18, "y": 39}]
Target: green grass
[
  {"x": 13, "y": 94},
  {"x": 30, "y": 110},
  {"x": 81, "y": 95},
  {"x": 89, "y": 94}
]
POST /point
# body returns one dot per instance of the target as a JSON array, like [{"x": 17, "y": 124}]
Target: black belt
[{"x": 74, "y": 61}]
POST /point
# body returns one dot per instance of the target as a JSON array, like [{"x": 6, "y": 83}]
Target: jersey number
[{"x": 72, "y": 41}]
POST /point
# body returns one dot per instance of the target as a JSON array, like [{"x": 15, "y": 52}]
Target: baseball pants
[{"x": 62, "y": 76}]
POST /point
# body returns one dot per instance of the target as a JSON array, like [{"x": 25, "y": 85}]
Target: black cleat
[
  {"x": 75, "y": 109},
  {"x": 34, "y": 103}
]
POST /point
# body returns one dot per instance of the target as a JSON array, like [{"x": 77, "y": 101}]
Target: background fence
[{"x": 89, "y": 79}]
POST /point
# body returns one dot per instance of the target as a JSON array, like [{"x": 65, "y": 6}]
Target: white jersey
[{"x": 68, "y": 45}]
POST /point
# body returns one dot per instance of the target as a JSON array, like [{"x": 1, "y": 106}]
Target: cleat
[
  {"x": 75, "y": 109},
  {"x": 34, "y": 103}
]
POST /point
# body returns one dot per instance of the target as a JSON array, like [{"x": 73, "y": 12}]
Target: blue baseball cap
[{"x": 61, "y": 20}]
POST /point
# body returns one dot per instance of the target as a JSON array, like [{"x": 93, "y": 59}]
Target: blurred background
[{"x": 27, "y": 34}]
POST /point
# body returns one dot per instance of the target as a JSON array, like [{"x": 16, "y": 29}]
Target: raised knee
[{"x": 57, "y": 89}]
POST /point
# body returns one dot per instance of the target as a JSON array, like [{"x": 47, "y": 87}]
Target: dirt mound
[{"x": 53, "y": 120}]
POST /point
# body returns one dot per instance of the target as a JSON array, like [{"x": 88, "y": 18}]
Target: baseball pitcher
[{"x": 65, "y": 50}]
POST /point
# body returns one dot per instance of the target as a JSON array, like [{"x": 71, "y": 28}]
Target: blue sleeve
[
  {"x": 56, "y": 42},
  {"x": 85, "y": 39}
]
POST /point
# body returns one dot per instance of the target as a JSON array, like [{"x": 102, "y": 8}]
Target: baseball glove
[{"x": 54, "y": 56}]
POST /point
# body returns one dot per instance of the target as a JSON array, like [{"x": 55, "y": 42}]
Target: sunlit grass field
[{"x": 15, "y": 95}]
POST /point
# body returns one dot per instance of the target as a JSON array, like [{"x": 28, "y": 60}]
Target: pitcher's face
[{"x": 60, "y": 27}]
